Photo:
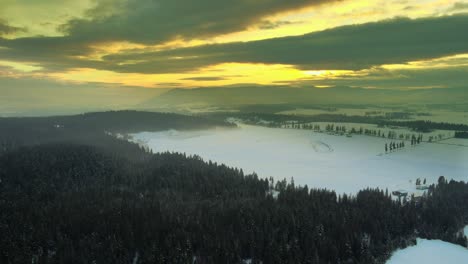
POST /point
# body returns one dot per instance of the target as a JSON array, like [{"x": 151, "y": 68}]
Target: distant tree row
[
  {"x": 416, "y": 140},
  {"x": 281, "y": 120},
  {"x": 392, "y": 146}
]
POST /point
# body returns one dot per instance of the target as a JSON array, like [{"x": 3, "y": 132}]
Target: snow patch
[{"x": 430, "y": 252}]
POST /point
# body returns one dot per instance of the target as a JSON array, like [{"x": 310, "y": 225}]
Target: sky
[{"x": 98, "y": 48}]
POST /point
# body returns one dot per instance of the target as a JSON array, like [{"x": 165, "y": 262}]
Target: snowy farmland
[
  {"x": 317, "y": 159},
  {"x": 430, "y": 252}
]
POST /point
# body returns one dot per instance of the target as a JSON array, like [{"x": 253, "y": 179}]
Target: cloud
[
  {"x": 459, "y": 6},
  {"x": 52, "y": 53},
  {"x": 267, "y": 24},
  {"x": 208, "y": 78},
  {"x": 141, "y": 21},
  {"x": 351, "y": 47},
  {"x": 157, "y": 21},
  {"x": 6, "y": 29},
  {"x": 42, "y": 17},
  {"x": 348, "y": 47}
]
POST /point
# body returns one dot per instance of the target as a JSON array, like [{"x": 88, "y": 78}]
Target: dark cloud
[
  {"x": 142, "y": 21},
  {"x": 168, "y": 84},
  {"x": 6, "y": 29},
  {"x": 349, "y": 47},
  {"x": 209, "y": 78},
  {"x": 458, "y": 6},
  {"x": 267, "y": 24},
  {"x": 156, "y": 21},
  {"x": 38, "y": 48},
  {"x": 52, "y": 53}
]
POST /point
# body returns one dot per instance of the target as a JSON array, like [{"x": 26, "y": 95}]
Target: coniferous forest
[{"x": 72, "y": 193}]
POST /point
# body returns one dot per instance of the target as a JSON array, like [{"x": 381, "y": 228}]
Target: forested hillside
[
  {"x": 90, "y": 128},
  {"x": 105, "y": 200}
]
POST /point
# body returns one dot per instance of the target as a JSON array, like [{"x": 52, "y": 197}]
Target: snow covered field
[
  {"x": 430, "y": 252},
  {"x": 316, "y": 159}
]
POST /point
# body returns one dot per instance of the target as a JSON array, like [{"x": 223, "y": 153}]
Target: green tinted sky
[{"x": 183, "y": 43}]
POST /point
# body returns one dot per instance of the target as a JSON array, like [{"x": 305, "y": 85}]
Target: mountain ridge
[{"x": 244, "y": 95}]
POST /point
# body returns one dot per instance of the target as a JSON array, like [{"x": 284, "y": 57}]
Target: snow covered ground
[
  {"x": 430, "y": 252},
  {"x": 466, "y": 231},
  {"x": 317, "y": 159}
]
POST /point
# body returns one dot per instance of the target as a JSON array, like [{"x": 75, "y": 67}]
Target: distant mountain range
[{"x": 246, "y": 95}]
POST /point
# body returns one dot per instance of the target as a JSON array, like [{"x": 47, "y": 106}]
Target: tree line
[
  {"x": 279, "y": 120},
  {"x": 461, "y": 134}
]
